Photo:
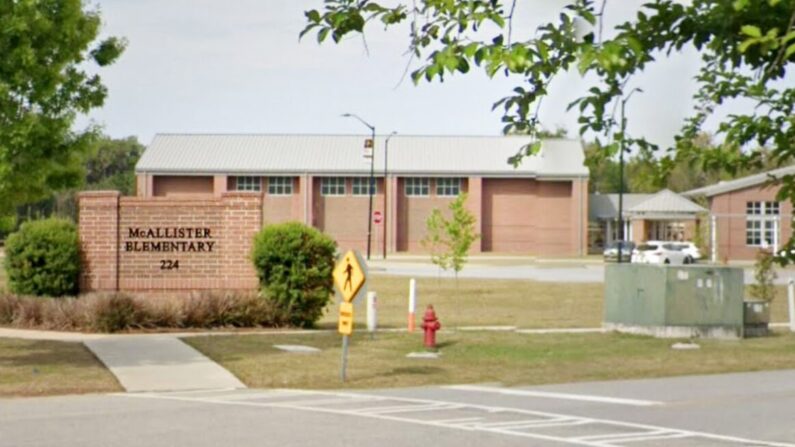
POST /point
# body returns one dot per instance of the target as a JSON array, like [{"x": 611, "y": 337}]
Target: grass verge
[
  {"x": 38, "y": 368},
  {"x": 482, "y": 302},
  {"x": 476, "y": 357},
  {"x": 479, "y": 302}
]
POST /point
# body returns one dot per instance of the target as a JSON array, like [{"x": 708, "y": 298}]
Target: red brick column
[
  {"x": 98, "y": 223},
  {"x": 242, "y": 219},
  {"x": 579, "y": 217},
  {"x": 219, "y": 185},
  {"x": 392, "y": 216},
  {"x": 475, "y": 206}
]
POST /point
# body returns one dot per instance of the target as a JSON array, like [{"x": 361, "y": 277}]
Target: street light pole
[
  {"x": 386, "y": 202},
  {"x": 371, "y": 182},
  {"x": 621, "y": 175}
]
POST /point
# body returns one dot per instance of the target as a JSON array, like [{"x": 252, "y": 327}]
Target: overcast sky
[{"x": 236, "y": 66}]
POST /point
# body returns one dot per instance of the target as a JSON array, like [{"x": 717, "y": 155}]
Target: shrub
[
  {"x": 42, "y": 258},
  {"x": 449, "y": 240},
  {"x": 294, "y": 264},
  {"x": 765, "y": 275},
  {"x": 116, "y": 312},
  {"x": 7, "y": 225},
  {"x": 119, "y": 312}
]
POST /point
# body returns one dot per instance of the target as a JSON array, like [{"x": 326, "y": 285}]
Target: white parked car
[
  {"x": 690, "y": 250},
  {"x": 659, "y": 252}
]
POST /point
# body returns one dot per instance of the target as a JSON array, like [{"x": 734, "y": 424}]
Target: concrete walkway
[
  {"x": 160, "y": 363},
  {"x": 145, "y": 362}
]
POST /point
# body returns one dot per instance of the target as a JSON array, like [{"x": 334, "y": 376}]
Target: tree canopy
[
  {"x": 747, "y": 47},
  {"x": 46, "y": 81},
  {"x": 107, "y": 163}
]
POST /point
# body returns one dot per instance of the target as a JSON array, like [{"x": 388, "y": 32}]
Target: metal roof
[
  {"x": 253, "y": 154},
  {"x": 662, "y": 205},
  {"x": 605, "y": 206},
  {"x": 666, "y": 202},
  {"x": 740, "y": 183}
]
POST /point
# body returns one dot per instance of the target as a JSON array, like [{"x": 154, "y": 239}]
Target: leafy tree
[
  {"x": 449, "y": 240},
  {"x": 764, "y": 287},
  {"x": 435, "y": 240},
  {"x": 111, "y": 164},
  {"x": 46, "y": 47},
  {"x": 746, "y": 47}
]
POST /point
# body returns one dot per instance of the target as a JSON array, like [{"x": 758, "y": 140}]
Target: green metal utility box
[{"x": 674, "y": 301}]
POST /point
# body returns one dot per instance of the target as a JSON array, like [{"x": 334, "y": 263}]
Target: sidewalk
[
  {"x": 145, "y": 362},
  {"x": 160, "y": 363}
]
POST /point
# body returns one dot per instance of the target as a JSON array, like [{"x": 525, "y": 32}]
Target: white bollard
[
  {"x": 791, "y": 299},
  {"x": 412, "y": 302},
  {"x": 372, "y": 312}
]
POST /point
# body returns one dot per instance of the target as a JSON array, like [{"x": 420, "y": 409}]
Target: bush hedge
[
  {"x": 43, "y": 258},
  {"x": 294, "y": 264},
  {"x": 120, "y": 312}
]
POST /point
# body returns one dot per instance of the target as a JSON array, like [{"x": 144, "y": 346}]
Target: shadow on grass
[
  {"x": 45, "y": 353},
  {"x": 446, "y": 344},
  {"x": 414, "y": 371}
]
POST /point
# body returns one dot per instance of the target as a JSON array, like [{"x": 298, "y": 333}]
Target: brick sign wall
[{"x": 160, "y": 244}]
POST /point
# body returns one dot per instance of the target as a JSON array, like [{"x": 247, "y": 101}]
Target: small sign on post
[
  {"x": 372, "y": 312},
  {"x": 345, "y": 326},
  {"x": 349, "y": 277},
  {"x": 412, "y": 303},
  {"x": 377, "y": 217}
]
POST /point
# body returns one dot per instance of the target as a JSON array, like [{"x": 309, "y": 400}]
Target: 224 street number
[{"x": 168, "y": 264}]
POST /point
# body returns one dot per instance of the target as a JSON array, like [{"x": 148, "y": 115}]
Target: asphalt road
[{"x": 754, "y": 409}]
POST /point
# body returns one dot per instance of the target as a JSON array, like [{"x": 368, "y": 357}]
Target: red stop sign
[{"x": 377, "y": 217}]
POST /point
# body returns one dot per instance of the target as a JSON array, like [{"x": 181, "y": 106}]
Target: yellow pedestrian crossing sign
[{"x": 349, "y": 276}]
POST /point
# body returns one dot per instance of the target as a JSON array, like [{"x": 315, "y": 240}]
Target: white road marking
[
  {"x": 550, "y": 395},
  {"x": 658, "y": 438},
  {"x": 457, "y": 421},
  {"x": 651, "y": 432},
  {"x": 616, "y": 437}
]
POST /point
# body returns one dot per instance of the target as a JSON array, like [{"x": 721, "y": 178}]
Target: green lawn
[
  {"x": 34, "y": 368},
  {"x": 479, "y": 302},
  {"x": 473, "y": 357}
]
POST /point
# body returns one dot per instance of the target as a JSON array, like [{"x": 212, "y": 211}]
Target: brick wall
[
  {"x": 99, "y": 236},
  {"x": 160, "y": 244},
  {"x": 413, "y": 213},
  {"x": 183, "y": 186},
  {"x": 730, "y": 211},
  {"x": 534, "y": 217},
  {"x": 345, "y": 217}
]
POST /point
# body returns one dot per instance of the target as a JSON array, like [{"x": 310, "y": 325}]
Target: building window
[
  {"x": 418, "y": 186},
  {"x": 359, "y": 186},
  {"x": 332, "y": 186},
  {"x": 761, "y": 224},
  {"x": 448, "y": 186},
  {"x": 280, "y": 186},
  {"x": 248, "y": 184}
]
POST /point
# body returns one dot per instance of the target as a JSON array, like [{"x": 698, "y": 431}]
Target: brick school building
[{"x": 201, "y": 198}]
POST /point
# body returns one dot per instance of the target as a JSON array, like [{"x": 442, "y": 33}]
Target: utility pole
[
  {"x": 371, "y": 183},
  {"x": 621, "y": 148}
]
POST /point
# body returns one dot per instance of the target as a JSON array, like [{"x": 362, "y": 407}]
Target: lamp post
[
  {"x": 371, "y": 183},
  {"x": 621, "y": 176},
  {"x": 386, "y": 202}
]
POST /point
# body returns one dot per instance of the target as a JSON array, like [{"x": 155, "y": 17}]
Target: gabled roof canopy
[
  {"x": 665, "y": 204},
  {"x": 740, "y": 183},
  {"x": 194, "y": 154}
]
